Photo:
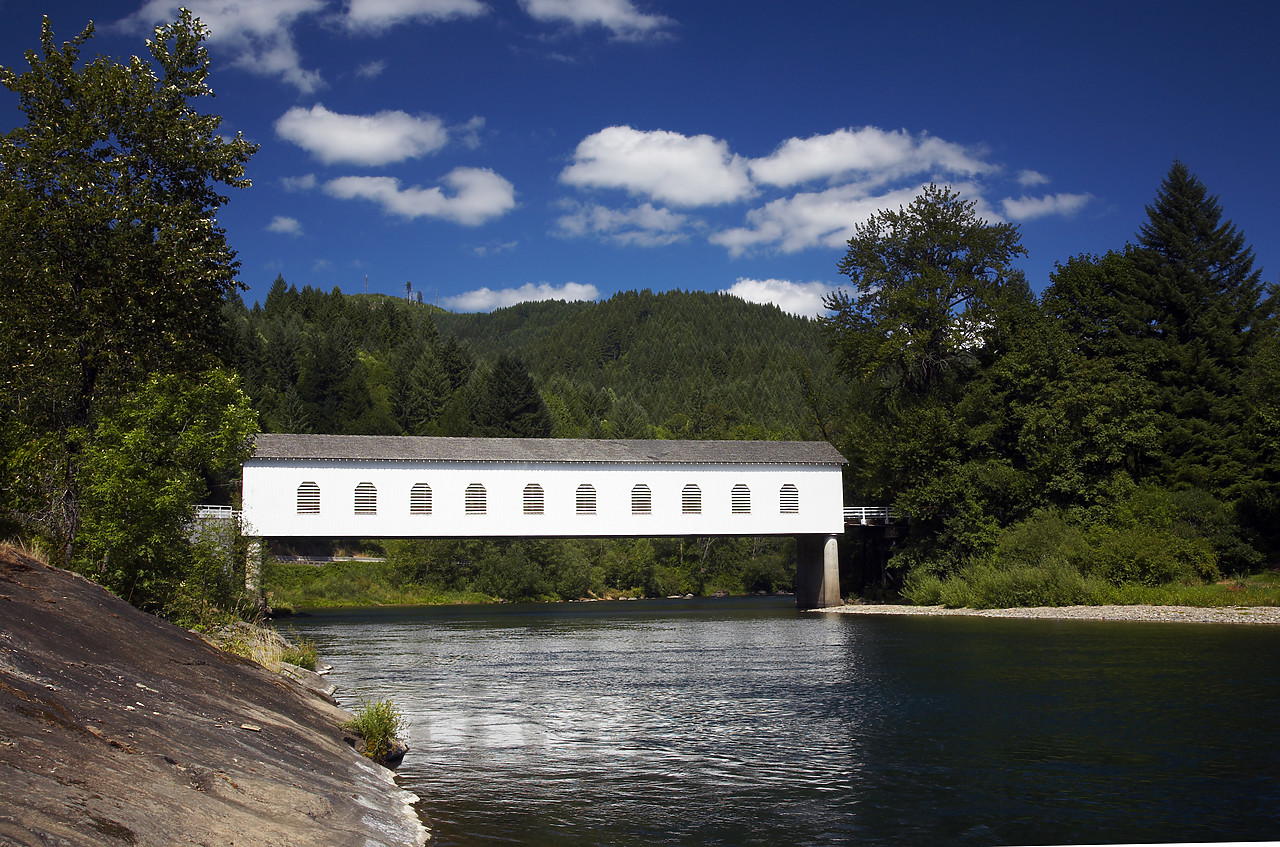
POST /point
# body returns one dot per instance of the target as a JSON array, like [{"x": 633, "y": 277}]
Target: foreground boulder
[{"x": 119, "y": 728}]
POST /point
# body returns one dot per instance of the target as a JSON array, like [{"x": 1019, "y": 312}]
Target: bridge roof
[{"x": 637, "y": 451}]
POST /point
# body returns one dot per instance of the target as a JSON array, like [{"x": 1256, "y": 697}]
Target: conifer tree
[{"x": 1200, "y": 316}]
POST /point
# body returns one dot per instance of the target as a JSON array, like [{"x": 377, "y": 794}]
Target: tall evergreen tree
[
  {"x": 509, "y": 404},
  {"x": 1195, "y": 280}
]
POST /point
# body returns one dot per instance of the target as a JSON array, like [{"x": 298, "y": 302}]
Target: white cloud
[
  {"x": 798, "y": 298},
  {"x": 285, "y": 225},
  {"x": 372, "y": 69},
  {"x": 645, "y": 225},
  {"x": 257, "y": 34},
  {"x": 479, "y": 195},
  {"x": 666, "y": 166},
  {"x": 378, "y": 139},
  {"x": 306, "y": 182},
  {"x": 620, "y": 17},
  {"x": 1029, "y": 208},
  {"x": 872, "y": 154},
  {"x": 810, "y": 219},
  {"x": 1029, "y": 178},
  {"x": 378, "y": 15},
  {"x": 485, "y": 299}
]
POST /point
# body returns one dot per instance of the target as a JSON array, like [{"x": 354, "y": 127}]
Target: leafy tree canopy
[{"x": 927, "y": 280}]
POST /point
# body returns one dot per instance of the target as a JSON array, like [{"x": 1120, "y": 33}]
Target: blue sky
[{"x": 489, "y": 151}]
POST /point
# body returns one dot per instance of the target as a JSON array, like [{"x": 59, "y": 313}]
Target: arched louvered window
[
  {"x": 476, "y": 502},
  {"x": 366, "y": 499},
  {"x": 789, "y": 500},
  {"x": 741, "y": 500},
  {"x": 308, "y": 499},
  {"x": 420, "y": 499},
  {"x": 691, "y": 500},
  {"x": 641, "y": 500},
  {"x": 586, "y": 499},
  {"x": 533, "y": 499}
]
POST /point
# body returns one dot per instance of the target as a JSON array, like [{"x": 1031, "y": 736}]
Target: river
[{"x": 745, "y": 722}]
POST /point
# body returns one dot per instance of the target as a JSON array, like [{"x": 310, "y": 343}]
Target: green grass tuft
[{"x": 377, "y": 722}]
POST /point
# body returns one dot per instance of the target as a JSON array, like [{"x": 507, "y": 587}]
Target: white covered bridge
[{"x": 351, "y": 486}]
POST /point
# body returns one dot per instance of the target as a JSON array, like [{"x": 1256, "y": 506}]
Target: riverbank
[
  {"x": 1180, "y": 614},
  {"x": 117, "y": 727}
]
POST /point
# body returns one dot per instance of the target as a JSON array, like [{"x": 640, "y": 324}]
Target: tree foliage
[
  {"x": 112, "y": 263},
  {"x": 927, "y": 280},
  {"x": 1133, "y": 387}
]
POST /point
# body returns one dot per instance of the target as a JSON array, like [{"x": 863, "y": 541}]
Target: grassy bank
[
  {"x": 996, "y": 588},
  {"x": 295, "y": 586}
]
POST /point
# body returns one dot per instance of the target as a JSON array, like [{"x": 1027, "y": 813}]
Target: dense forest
[
  {"x": 1116, "y": 435},
  {"x": 638, "y": 365}
]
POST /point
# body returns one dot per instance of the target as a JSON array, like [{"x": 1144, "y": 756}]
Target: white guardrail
[
  {"x": 225, "y": 513},
  {"x": 864, "y": 515}
]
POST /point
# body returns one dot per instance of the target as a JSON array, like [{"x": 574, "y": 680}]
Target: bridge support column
[{"x": 817, "y": 572}]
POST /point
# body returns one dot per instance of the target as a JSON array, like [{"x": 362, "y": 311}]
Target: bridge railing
[
  {"x": 225, "y": 513},
  {"x": 864, "y": 515}
]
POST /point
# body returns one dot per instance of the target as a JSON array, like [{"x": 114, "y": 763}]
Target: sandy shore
[{"x": 1178, "y": 614}]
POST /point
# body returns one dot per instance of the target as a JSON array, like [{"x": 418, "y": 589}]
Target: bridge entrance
[{"x": 328, "y": 486}]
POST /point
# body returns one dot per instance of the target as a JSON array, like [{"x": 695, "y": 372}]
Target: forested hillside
[
  {"x": 697, "y": 364},
  {"x": 639, "y": 365}
]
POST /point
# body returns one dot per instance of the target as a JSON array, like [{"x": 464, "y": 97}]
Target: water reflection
[{"x": 744, "y": 722}]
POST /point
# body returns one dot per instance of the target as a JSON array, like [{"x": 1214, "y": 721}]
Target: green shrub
[
  {"x": 377, "y": 723},
  {"x": 302, "y": 653},
  {"x": 1151, "y": 556},
  {"x": 922, "y": 588}
]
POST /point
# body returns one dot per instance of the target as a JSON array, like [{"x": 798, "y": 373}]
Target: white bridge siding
[
  {"x": 271, "y": 500},
  {"x": 740, "y": 491}
]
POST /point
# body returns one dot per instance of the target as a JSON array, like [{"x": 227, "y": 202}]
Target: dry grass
[
  {"x": 259, "y": 644},
  {"x": 31, "y": 548}
]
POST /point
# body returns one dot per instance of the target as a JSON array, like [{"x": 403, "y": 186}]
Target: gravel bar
[{"x": 1178, "y": 614}]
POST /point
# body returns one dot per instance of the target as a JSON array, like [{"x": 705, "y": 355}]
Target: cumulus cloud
[
  {"x": 810, "y": 219},
  {"x": 377, "y": 139},
  {"x": 486, "y": 299},
  {"x": 1029, "y": 208},
  {"x": 371, "y": 70},
  {"x": 1029, "y": 178},
  {"x": 645, "y": 225},
  {"x": 379, "y": 15},
  {"x": 869, "y": 153},
  {"x": 620, "y": 17},
  {"x": 665, "y": 166},
  {"x": 798, "y": 298},
  {"x": 285, "y": 225},
  {"x": 257, "y": 35},
  {"x": 479, "y": 195}
]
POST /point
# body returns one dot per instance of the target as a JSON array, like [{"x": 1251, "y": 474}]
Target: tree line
[{"x": 1121, "y": 428}]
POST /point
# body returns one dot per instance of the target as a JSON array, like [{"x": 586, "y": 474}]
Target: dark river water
[{"x": 743, "y": 722}]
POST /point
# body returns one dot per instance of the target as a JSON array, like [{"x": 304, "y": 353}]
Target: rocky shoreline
[
  {"x": 1179, "y": 614},
  {"x": 118, "y": 728}
]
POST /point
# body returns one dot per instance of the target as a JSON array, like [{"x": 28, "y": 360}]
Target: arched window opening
[
  {"x": 586, "y": 500},
  {"x": 366, "y": 499},
  {"x": 641, "y": 500},
  {"x": 308, "y": 499},
  {"x": 475, "y": 499},
  {"x": 741, "y": 500},
  {"x": 691, "y": 500},
  {"x": 789, "y": 500},
  {"x": 533, "y": 499},
  {"x": 420, "y": 499}
]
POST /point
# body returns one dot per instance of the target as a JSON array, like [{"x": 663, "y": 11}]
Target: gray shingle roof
[{"x": 421, "y": 448}]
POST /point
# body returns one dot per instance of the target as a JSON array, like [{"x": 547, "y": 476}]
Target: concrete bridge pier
[{"x": 817, "y": 572}]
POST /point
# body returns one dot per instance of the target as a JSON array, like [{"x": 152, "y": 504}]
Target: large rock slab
[{"x": 119, "y": 728}]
